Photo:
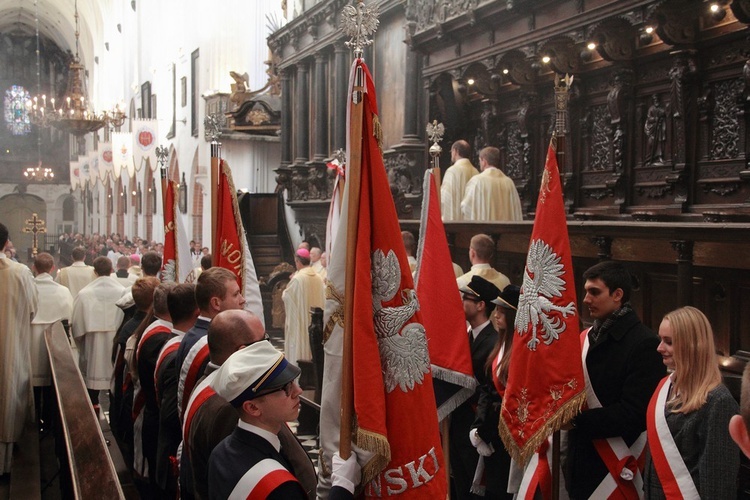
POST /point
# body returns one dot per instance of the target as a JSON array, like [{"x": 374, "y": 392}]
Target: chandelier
[
  {"x": 39, "y": 173},
  {"x": 72, "y": 114}
]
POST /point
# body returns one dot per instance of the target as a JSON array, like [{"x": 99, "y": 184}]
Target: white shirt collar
[
  {"x": 480, "y": 266},
  {"x": 268, "y": 436},
  {"x": 475, "y": 331}
]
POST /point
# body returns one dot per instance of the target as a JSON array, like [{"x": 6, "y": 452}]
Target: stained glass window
[{"x": 16, "y": 114}]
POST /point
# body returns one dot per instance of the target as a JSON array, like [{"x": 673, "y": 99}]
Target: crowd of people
[
  {"x": 657, "y": 418},
  {"x": 200, "y": 399}
]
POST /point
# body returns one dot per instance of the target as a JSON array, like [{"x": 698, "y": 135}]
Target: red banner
[
  {"x": 169, "y": 270},
  {"x": 231, "y": 250},
  {"x": 545, "y": 384},
  {"x": 441, "y": 308},
  {"x": 393, "y": 394}
]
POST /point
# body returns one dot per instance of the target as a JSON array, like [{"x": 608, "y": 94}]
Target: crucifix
[{"x": 35, "y": 225}]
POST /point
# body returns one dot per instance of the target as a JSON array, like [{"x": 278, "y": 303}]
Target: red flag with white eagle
[
  {"x": 395, "y": 416},
  {"x": 231, "y": 249},
  {"x": 177, "y": 263},
  {"x": 441, "y": 308},
  {"x": 545, "y": 386}
]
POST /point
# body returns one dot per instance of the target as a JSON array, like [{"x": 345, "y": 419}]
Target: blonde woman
[{"x": 691, "y": 452}]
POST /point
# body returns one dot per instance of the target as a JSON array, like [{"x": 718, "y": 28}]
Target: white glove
[
  {"x": 346, "y": 473},
  {"x": 483, "y": 448}
]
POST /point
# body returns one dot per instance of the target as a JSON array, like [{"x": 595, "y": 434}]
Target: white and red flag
[
  {"x": 394, "y": 413},
  {"x": 145, "y": 140},
  {"x": 177, "y": 263},
  {"x": 231, "y": 249},
  {"x": 545, "y": 382},
  {"x": 442, "y": 312}
]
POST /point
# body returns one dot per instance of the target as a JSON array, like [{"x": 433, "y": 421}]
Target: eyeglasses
[
  {"x": 288, "y": 388},
  {"x": 471, "y": 299}
]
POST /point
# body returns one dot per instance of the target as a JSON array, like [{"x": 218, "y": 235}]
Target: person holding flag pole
[
  {"x": 545, "y": 387},
  {"x": 386, "y": 384}
]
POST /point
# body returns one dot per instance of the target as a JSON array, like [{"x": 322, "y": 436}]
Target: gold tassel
[
  {"x": 378, "y": 444},
  {"x": 554, "y": 423},
  {"x": 377, "y": 132}
]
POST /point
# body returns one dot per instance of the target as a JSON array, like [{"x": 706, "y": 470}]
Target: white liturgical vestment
[
  {"x": 55, "y": 304},
  {"x": 305, "y": 290},
  {"x": 491, "y": 196},
  {"x": 75, "y": 277},
  {"x": 18, "y": 304},
  {"x": 453, "y": 187},
  {"x": 95, "y": 320}
]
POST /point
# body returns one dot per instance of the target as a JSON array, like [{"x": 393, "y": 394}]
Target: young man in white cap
[{"x": 260, "y": 383}]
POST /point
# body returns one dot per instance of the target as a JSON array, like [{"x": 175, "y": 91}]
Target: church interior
[{"x": 649, "y": 101}]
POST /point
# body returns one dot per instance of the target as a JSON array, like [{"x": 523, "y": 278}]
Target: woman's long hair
[
  {"x": 696, "y": 370},
  {"x": 505, "y": 338}
]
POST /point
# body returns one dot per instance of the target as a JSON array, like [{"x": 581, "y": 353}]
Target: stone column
[
  {"x": 411, "y": 100},
  {"x": 341, "y": 82},
  {"x": 321, "y": 107},
  {"x": 302, "y": 105},
  {"x": 286, "y": 118}
]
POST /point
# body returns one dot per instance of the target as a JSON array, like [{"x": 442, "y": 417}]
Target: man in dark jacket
[
  {"x": 477, "y": 301},
  {"x": 622, "y": 370}
]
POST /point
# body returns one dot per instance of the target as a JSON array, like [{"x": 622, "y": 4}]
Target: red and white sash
[
  {"x": 158, "y": 326},
  {"x": 625, "y": 465},
  {"x": 200, "y": 395},
  {"x": 538, "y": 474},
  {"x": 169, "y": 347},
  {"x": 261, "y": 480},
  {"x": 190, "y": 372},
  {"x": 674, "y": 475}
]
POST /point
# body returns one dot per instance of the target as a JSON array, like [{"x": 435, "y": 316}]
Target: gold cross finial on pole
[{"x": 34, "y": 226}]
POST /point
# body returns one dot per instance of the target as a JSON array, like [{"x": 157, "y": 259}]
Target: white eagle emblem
[
  {"x": 542, "y": 282},
  {"x": 403, "y": 357}
]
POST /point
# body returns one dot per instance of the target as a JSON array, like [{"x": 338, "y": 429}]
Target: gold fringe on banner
[
  {"x": 377, "y": 132},
  {"x": 562, "y": 416},
  {"x": 377, "y": 444}
]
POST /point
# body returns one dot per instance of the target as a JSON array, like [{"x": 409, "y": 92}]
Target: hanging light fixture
[
  {"x": 38, "y": 173},
  {"x": 72, "y": 114}
]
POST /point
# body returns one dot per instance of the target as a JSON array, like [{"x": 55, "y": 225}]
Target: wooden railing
[{"x": 91, "y": 470}]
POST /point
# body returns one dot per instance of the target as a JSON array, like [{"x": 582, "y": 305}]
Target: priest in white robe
[
  {"x": 96, "y": 318},
  {"x": 454, "y": 181},
  {"x": 18, "y": 305},
  {"x": 55, "y": 305},
  {"x": 305, "y": 290},
  {"x": 77, "y": 275},
  {"x": 491, "y": 195}
]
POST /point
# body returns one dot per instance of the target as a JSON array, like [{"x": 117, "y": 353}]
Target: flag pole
[
  {"x": 353, "y": 174},
  {"x": 562, "y": 89},
  {"x": 212, "y": 124},
  {"x": 161, "y": 154},
  {"x": 435, "y": 131},
  {"x": 354, "y": 27}
]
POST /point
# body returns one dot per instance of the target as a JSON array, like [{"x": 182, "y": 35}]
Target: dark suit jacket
[
  {"x": 237, "y": 454},
  {"x": 624, "y": 369},
  {"x": 215, "y": 420},
  {"x": 463, "y": 456},
  {"x": 200, "y": 329}
]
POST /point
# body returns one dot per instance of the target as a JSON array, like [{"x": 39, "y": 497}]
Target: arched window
[
  {"x": 16, "y": 113},
  {"x": 69, "y": 207}
]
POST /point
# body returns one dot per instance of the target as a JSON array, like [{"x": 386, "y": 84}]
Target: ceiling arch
[{"x": 57, "y": 22}]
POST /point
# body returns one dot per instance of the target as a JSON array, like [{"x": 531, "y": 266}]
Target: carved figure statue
[{"x": 656, "y": 132}]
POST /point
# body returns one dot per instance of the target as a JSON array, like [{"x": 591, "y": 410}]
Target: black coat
[
  {"x": 624, "y": 368},
  {"x": 463, "y": 456}
]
